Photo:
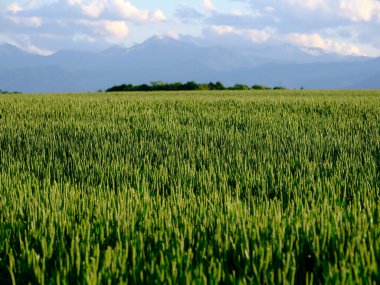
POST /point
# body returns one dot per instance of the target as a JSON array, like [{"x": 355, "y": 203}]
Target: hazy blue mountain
[
  {"x": 371, "y": 82},
  {"x": 337, "y": 75},
  {"x": 173, "y": 60},
  {"x": 11, "y": 57}
]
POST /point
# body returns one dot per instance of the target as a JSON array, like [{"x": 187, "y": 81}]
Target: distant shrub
[
  {"x": 7, "y": 92},
  {"x": 260, "y": 87},
  {"x": 203, "y": 86},
  {"x": 216, "y": 86},
  {"x": 190, "y": 85},
  {"x": 240, "y": 87}
]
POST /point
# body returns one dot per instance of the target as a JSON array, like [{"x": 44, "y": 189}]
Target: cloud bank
[{"x": 347, "y": 27}]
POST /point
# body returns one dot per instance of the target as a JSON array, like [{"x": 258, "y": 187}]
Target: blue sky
[{"x": 45, "y": 26}]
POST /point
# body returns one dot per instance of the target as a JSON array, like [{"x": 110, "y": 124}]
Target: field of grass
[{"x": 193, "y": 187}]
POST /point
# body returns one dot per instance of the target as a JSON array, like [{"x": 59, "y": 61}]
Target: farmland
[{"x": 190, "y": 187}]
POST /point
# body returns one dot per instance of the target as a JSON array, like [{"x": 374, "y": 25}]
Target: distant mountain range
[{"x": 170, "y": 60}]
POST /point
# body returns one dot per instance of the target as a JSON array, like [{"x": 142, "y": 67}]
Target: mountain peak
[
  {"x": 157, "y": 42},
  {"x": 161, "y": 39}
]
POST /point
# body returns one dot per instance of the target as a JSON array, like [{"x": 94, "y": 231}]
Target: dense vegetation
[
  {"x": 7, "y": 92},
  {"x": 232, "y": 187},
  {"x": 188, "y": 86}
]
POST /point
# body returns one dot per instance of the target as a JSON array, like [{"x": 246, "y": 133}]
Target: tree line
[
  {"x": 7, "y": 92},
  {"x": 190, "y": 85}
]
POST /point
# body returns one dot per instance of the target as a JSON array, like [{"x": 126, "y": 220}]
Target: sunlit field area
[{"x": 246, "y": 187}]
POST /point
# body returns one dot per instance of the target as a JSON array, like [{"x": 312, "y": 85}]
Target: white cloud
[
  {"x": 84, "y": 38},
  {"x": 208, "y": 5},
  {"x": 317, "y": 41},
  {"x": 308, "y": 4},
  {"x": 253, "y": 35},
  {"x": 28, "y": 47},
  {"x": 326, "y": 18},
  {"x": 173, "y": 35},
  {"x": 117, "y": 10},
  {"x": 269, "y": 9},
  {"x": 38, "y": 50},
  {"x": 74, "y": 2},
  {"x": 158, "y": 16},
  {"x": 75, "y": 21},
  {"x": 259, "y": 36},
  {"x": 94, "y": 8},
  {"x": 14, "y": 8},
  {"x": 126, "y": 10},
  {"x": 222, "y": 30},
  {"x": 343, "y": 26},
  {"x": 360, "y": 10},
  {"x": 27, "y": 21},
  {"x": 116, "y": 29},
  {"x": 106, "y": 28},
  {"x": 354, "y": 10}
]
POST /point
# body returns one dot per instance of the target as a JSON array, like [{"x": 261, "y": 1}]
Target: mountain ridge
[{"x": 167, "y": 59}]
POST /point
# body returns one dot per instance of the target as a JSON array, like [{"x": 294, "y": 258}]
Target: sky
[{"x": 347, "y": 27}]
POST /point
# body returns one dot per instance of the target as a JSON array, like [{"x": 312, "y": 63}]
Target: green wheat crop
[{"x": 241, "y": 187}]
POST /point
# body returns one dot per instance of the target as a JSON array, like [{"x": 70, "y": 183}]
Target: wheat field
[{"x": 231, "y": 187}]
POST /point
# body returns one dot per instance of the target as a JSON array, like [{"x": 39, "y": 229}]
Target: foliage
[
  {"x": 260, "y": 87},
  {"x": 190, "y": 85},
  {"x": 240, "y": 87},
  {"x": 203, "y": 187},
  {"x": 7, "y": 92}
]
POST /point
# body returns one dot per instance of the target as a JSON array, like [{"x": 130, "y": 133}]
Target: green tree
[
  {"x": 260, "y": 87},
  {"x": 240, "y": 87}
]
